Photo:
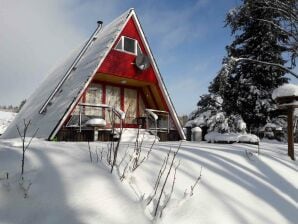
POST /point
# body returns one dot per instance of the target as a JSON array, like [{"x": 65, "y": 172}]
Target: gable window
[{"x": 129, "y": 45}]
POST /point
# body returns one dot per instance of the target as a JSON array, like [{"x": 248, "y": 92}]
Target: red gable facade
[{"x": 119, "y": 83}]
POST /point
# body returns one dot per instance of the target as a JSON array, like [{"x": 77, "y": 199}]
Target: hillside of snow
[
  {"x": 5, "y": 119},
  {"x": 237, "y": 185}
]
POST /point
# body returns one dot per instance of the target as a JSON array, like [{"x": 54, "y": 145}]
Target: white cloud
[
  {"x": 37, "y": 34},
  {"x": 173, "y": 27},
  {"x": 34, "y": 35}
]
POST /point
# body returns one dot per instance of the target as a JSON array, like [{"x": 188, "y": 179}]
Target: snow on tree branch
[{"x": 233, "y": 61}]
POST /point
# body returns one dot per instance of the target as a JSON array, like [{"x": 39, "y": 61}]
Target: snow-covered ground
[
  {"x": 237, "y": 185},
  {"x": 5, "y": 119}
]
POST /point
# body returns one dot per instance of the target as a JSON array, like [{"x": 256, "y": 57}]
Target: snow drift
[
  {"x": 237, "y": 186},
  {"x": 5, "y": 119}
]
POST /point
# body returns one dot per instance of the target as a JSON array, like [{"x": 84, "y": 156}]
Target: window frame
[{"x": 136, "y": 46}]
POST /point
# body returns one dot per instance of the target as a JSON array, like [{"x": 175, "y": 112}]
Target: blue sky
[{"x": 188, "y": 40}]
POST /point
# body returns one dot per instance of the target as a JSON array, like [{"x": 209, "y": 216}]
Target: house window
[
  {"x": 128, "y": 45},
  {"x": 130, "y": 105},
  {"x": 141, "y": 106},
  {"x": 94, "y": 96},
  {"x": 113, "y": 98}
]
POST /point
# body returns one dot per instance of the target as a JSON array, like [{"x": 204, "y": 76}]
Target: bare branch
[
  {"x": 33, "y": 136},
  {"x": 266, "y": 63},
  {"x": 279, "y": 27},
  {"x": 172, "y": 189},
  {"x": 166, "y": 179},
  {"x": 19, "y": 132},
  {"x": 196, "y": 182},
  {"x": 160, "y": 174}
]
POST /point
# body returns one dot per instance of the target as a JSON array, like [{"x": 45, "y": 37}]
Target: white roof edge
[
  {"x": 76, "y": 100},
  {"x": 159, "y": 78}
]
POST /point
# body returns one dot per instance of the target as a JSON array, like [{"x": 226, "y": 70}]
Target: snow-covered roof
[
  {"x": 69, "y": 94},
  {"x": 285, "y": 90},
  {"x": 72, "y": 87}
]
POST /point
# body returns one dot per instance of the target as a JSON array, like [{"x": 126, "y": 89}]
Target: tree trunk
[{"x": 290, "y": 134}]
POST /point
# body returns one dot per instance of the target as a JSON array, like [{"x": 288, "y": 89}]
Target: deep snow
[
  {"x": 5, "y": 119},
  {"x": 237, "y": 185}
]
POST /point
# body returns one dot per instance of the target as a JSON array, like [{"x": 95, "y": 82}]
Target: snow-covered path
[{"x": 237, "y": 186}]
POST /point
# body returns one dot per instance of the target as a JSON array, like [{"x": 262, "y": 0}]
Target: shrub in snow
[
  {"x": 217, "y": 121},
  {"x": 159, "y": 198},
  {"x": 210, "y": 114},
  {"x": 216, "y": 137},
  {"x": 136, "y": 158},
  {"x": 236, "y": 124},
  {"x": 275, "y": 129}
]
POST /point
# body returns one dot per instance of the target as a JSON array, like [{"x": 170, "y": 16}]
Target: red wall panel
[{"x": 122, "y": 64}]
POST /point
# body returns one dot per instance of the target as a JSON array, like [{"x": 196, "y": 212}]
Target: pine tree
[
  {"x": 21, "y": 105},
  {"x": 265, "y": 32}
]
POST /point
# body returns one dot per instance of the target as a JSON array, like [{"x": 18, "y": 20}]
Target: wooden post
[{"x": 290, "y": 133}]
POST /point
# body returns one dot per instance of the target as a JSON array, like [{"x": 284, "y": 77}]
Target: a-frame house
[{"x": 111, "y": 75}]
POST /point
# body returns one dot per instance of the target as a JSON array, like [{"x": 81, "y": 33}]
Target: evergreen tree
[
  {"x": 265, "y": 32},
  {"x": 21, "y": 105}
]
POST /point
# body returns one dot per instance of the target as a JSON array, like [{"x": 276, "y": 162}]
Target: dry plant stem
[
  {"x": 124, "y": 170},
  {"x": 160, "y": 173},
  {"x": 148, "y": 153},
  {"x": 97, "y": 157},
  {"x": 151, "y": 147},
  {"x": 136, "y": 151},
  {"x": 141, "y": 144},
  {"x": 196, "y": 182},
  {"x": 90, "y": 154},
  {"x": 101, "y": 153},
  {"x": 116, "y": 150},
  {"x": 145, "y": 157},
  {"x": 23, "y": 139},
  {"x": 124, "y": 156},
  {"x": 123, "y": 173},
  {"x": 162, "y": 170},
  {"x": 109, "y": 154},
  {"x": 172, "y": 189},
  {"x": 165, "y": 181}
]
